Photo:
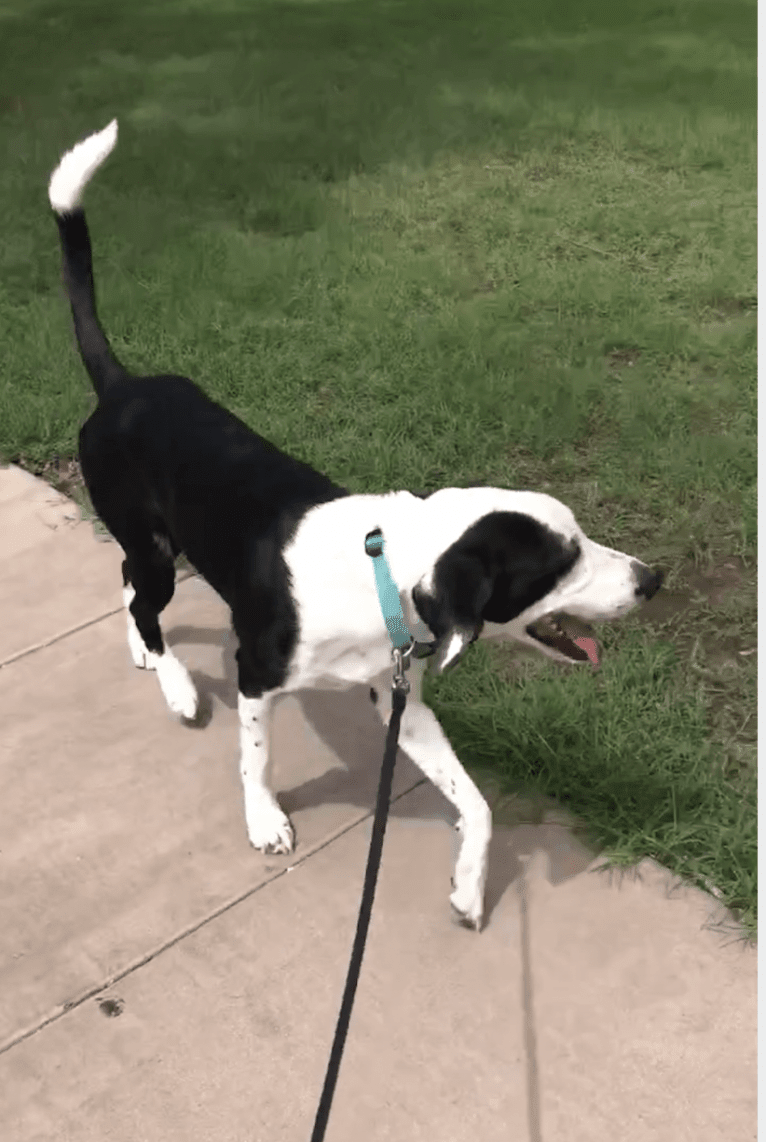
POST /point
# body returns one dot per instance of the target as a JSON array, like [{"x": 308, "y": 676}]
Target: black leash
[{"x": 398, "y": 702}]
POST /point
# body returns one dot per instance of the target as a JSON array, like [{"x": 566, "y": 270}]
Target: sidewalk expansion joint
[
  {"x": 73, "y": 630},
  {"x": 64, "y": 1008}
]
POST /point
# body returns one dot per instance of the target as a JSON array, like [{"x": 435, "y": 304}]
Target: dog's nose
[{"x": 648, "y": 582}]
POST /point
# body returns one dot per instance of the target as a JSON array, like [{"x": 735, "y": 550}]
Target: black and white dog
[{"x": 170, "y": 471}]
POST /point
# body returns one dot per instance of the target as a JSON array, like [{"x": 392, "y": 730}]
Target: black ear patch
[{"x": 500, "y": 566}]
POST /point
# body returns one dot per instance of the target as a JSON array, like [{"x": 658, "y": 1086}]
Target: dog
[{"x": 170, "y": 471}]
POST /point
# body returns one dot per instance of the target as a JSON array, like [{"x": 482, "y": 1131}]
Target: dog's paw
[
  {"x": 268, "y": 828},
  {"x": 467, "y": 897},
  {"x": 177, "y": 686},
  {"x": 468, "y": 904},
  {"x": 142, "y": 658}
]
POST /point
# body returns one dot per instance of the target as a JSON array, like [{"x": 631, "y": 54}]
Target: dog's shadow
[{"x": 349, "y": 727}]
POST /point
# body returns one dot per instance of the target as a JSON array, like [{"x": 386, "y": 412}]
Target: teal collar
[{"x": 388, "y": 597}]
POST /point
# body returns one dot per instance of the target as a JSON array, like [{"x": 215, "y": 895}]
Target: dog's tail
[{"x": 65, "y": 191}]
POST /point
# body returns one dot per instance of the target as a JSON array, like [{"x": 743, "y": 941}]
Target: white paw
[
  {"x": 177, "y": 686},
  {"x": 268, "y": 827},
  {"x": 468, "y": 902},
  {"x": 142, "y": 658},
  {"x": 471, "y": 871}
]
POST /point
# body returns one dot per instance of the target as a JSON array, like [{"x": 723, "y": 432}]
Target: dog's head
[{"x": 528, "y": 573}]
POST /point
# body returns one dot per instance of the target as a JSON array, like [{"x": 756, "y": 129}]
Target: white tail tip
[{"x": 77, "y": 168}]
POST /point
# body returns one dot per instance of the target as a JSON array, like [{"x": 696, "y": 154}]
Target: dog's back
[
  {"x": 165, "y": 466},
  {"x": 158, "y": 447}
]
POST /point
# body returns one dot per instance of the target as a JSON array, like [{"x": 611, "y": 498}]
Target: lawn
[{"x": 421, "y": 243}]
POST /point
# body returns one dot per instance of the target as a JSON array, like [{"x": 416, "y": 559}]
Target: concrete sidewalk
[{"x": 162, "y": 982}]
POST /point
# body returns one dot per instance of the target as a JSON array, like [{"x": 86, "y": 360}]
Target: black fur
[
  {"x": 502, "y": 565},
  {"x": 170, "y": 471}
]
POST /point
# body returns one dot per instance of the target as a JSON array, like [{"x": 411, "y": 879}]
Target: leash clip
[{"x": 401, "y": 657}]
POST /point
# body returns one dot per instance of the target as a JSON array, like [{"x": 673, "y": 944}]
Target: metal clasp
[{"x": 401, "y": 659}]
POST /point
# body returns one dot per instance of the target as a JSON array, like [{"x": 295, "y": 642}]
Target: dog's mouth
[{"x": 568, "y": 635}]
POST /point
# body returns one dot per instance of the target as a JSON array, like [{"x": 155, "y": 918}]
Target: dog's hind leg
[
  {"x": 148, "y": 570},
  {"x": 148, "y": 575}
]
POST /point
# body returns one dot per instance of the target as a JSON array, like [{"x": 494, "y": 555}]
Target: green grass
[{"x": 425, "y": 243}]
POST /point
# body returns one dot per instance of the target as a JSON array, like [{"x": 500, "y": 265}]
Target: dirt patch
[
  {"x": 674, "y": 613},
  {"x": 724, "y": 308},
  {"x": 323, "y": 399},
  {"x": 721, "y": 651},
  {"x": 61, "y": 472},
  {"x": 544, "y": 172},
  {"x": 622, "y": 358},
  {"x": 714, "y": 584}
]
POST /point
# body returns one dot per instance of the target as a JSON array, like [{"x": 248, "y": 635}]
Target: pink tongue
[{"x": 589, "y": 646}]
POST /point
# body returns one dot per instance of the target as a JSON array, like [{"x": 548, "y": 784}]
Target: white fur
[
  {"x": 174, "y": 679},
  {"x": 267, "y": 826},
  {"x": 142, "y": 657},
  {"x": 176, "y": 684},
  {"x": 343, "y": 637},
  {"x": 77, "y": 168},
  {"x": 344, "y": 641},
  {"x": 423, "y": 739}
]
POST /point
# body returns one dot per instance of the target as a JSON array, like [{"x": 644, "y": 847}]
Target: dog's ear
[
  {"x": 500, "y": 566},
  {"x": 453, "y": 607}
]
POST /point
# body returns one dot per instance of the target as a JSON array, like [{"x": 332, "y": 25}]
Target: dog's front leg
[
  {"x": 423, "y": 739},
  {"x": 267, "y": 826}
]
